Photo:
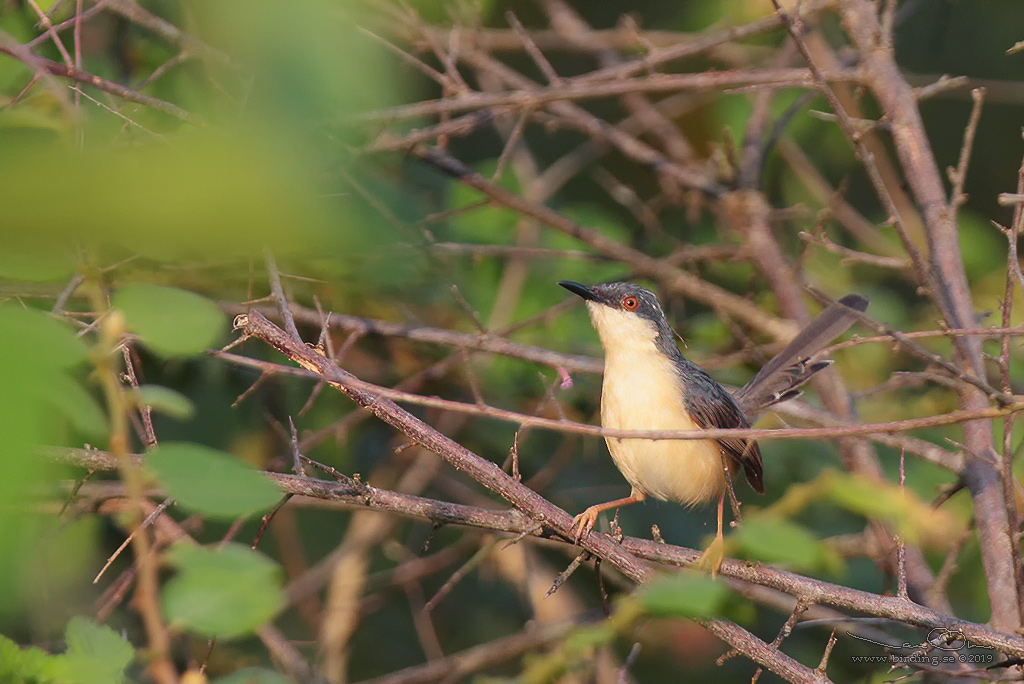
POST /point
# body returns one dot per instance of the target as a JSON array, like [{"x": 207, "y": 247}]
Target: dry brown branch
[
  {"x": 1014, "y": 279},
  {"x": 959, "y": 175},
  {"x": 477, "y": 658},
  {"x": 810, "y": 591},
  {"x": 481, "y": 342},
  {"x": 77, "y": 75},
  {"x": 531, "y": 421},
  {"x": 531, "y": 98},
  {"x": 853, "y": 255}
]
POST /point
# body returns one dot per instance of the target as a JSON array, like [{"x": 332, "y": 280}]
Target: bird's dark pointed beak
[{"x": 578, "y": 289}]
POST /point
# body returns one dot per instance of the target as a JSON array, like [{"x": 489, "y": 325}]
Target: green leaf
[
  {"x": 38, "y": 346},
  {"x": 96, "y": 655},
  {"x": 170, "y": 321},
  {"x": 35, "y": 355},
  {"x": 687, "y": 594},
  {"x": 97, "y": 641},
  {"x": 211, "y": 482},
  {"x": 20, "y": 665},
  {"x": 779, "y": 541},
  {"x": 36, "y": 336},
  {"x": 167, "y": 401},
  {"x": 222, "y": 592},
  {"x": 253, "y": 675},
  {"x": 74, "y": 403}
]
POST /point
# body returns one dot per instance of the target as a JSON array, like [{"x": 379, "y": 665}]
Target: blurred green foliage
[
  {"x": 95, "y": 655},
  {"x": 685, "y": 594},
  {"x": 169, "y": 321},
  {"x": 225, "y": 591},
  {"x": 787, "y": 544},
  {"x": 42, "y": 401},
  {"x": 210, "y": 482}
]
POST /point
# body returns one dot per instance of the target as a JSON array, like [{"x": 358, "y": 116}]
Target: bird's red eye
[{"x": 630, "y": 303}]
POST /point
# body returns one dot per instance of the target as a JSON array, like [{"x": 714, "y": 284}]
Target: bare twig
[
  {"x": 278, "y": 296},
  {"x": 576, "y": 90},
  {"x": 157, "y": 512},
  {"x": 79, "y": 76},
  {"x": 531, "y": 421},
  {"x": 489, "y": 342},
  {"x": 959, "y": 175},
  {"x": 901, "y": 545},
  {"x": 144, "y": 409},
  {"x": 478, "y": 658}
]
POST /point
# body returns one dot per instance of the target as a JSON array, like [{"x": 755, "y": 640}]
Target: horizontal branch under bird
[{"x": 513, "y": 521}]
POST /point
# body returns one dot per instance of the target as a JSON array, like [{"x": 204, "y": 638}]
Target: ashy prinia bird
[{"x": 649, "y": 385}]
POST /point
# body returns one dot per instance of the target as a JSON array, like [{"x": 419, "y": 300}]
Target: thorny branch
[
  {"x": 634, "y": 66},
  {"x": 807, "y": 590},
  {"x": 568, "y": 426}
]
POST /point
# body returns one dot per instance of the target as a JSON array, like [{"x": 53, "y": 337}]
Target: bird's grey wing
[{"x": 712, "y": 407}]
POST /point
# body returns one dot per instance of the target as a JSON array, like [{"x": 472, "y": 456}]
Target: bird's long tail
[{"x": 781, "y": 377}]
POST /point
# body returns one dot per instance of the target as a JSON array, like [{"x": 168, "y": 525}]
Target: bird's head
[{"x": 627, "y": 317}]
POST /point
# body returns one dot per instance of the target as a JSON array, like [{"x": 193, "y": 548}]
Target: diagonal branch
[{"x": 480, "y": 342}]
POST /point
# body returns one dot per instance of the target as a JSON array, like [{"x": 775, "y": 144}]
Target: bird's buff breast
[{"x": 642, "y": 392}]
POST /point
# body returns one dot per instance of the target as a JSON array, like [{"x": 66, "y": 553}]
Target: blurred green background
[{"x": 107, "y": 194}]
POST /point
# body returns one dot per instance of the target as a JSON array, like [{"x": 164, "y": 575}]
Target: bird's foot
[
  {"x": 584, "y": 522},
  {"x": 711, "y": 559}
]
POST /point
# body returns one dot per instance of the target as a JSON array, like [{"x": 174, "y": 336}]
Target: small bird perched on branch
[{"x": 650, "y": 385}]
